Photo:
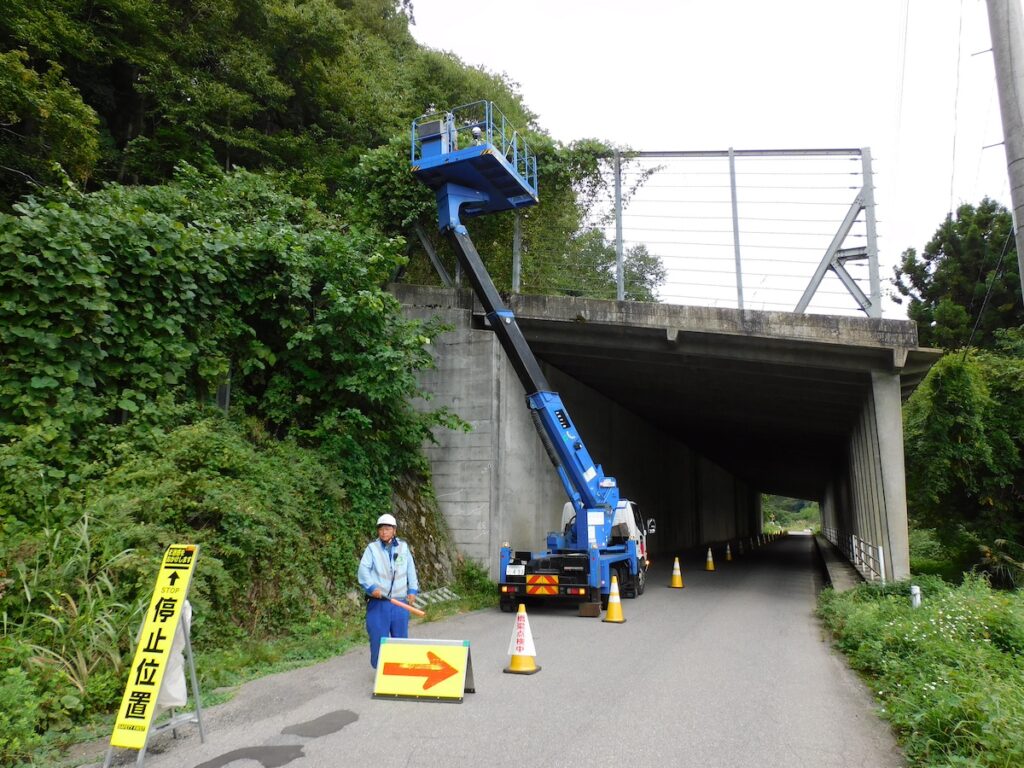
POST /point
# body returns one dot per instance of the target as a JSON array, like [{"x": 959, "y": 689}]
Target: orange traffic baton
[{"x": 411, "y": 609}]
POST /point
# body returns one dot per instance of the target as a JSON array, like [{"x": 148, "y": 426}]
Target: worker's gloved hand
[
  {"x": 410, "y": 599},
  {"x": 377, "y": 593}
]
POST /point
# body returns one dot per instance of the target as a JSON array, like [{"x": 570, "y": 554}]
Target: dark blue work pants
[{"x": 384, "y": 620}]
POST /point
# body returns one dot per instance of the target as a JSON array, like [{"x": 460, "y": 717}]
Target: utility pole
[{"x": 1007, "y": 30}]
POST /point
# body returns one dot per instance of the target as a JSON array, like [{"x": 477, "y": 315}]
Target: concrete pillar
[
  {"x": 879, "y": 527},
  {"x": 885, "y": 388},
  {"x": 827, "y": 506}
]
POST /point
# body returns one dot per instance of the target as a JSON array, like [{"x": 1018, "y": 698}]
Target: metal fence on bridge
[
  {"x": 778, "y": 229},
  {"x": 867, "y": 558},
  {"x": 769, "y": 229}
]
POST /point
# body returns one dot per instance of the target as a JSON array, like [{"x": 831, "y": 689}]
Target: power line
[
  {"x": 742, "y": 231},
  {"x": 768, "y": 259},
  {"x": 902, "y": 48},
  {"x": 956, "y": 103},
  {"x": 988, "y": 293},
  {"x": 732, "y": 286}
]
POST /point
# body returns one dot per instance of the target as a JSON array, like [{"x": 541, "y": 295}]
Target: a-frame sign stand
[{"x": 133, "y": 727}]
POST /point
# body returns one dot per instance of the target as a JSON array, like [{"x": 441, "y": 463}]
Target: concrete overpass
[{"x": 695, "y": 410}]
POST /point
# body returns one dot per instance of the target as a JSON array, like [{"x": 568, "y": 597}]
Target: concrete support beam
[{"x": 889, "y": 410}]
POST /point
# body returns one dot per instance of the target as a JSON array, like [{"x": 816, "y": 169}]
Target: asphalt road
[{"x": 734, "y": 670}]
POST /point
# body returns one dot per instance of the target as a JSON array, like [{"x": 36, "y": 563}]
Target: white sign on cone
[{"x": 521, "y": 643}]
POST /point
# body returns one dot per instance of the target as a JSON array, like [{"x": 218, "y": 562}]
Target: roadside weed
[{"x": 949, "y": 675}]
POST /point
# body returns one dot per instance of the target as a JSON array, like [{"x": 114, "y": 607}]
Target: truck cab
[{"x": 627, "y": 525}]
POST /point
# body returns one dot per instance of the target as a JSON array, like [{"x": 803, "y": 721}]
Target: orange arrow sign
[{"x": 435, "y": 671}]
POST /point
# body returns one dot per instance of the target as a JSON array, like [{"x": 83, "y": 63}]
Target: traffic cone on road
[
  {"x": 520, "y": 647},
  {"x": 614, "y": 614},
  {"x": 677, "y": 576},
  {"x": 728, "y": 554},
  {"x": 710, "y": 564}
]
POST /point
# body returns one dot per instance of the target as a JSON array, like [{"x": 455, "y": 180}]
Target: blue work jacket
[{"x": 389, "y": 569}]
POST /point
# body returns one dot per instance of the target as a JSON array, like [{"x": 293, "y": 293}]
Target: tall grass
[
  {"x": 66, "y": 638},
  {"x": 72, "y": 620},
  {"x": 949, "y": 675}
]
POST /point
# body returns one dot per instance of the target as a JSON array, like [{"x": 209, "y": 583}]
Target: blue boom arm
[
  {"x": 593, "y": 494},
  {"x": 496, "y": 172}
]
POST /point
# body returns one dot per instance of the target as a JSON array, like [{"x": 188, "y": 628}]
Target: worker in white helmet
[{"x": 387, "y": 572}]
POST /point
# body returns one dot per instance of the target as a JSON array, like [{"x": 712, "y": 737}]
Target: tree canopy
[
  {"x": 964, "y": 425},
  {"x": 319, "y": 91},
  {"x": 965, "y": 285},
  {"x": 964, "y": 436},
  {"x": 302, "y": 86}
]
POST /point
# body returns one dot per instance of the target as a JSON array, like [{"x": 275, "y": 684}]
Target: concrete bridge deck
[{"x": 696, "y": 411}]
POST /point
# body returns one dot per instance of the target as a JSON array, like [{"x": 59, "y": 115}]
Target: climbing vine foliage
[{"x": 112, "y": 300}]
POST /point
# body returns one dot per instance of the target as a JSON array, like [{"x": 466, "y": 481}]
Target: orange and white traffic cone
[
  {"x": 709, "y": 565},
  {"x": 614, "y": 614},
  {"x": 677, "y": 576},
  {"x": 728, "y": 554},
  {"x": 521, "y": 648}
]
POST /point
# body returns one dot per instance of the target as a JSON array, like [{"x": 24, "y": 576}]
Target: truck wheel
[
  {"x": 627, "y": 582},
  {"x": 507, "y": 606},
  {"x": 641, "y": 581}
]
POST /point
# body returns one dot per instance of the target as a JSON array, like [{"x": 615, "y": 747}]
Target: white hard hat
[{"x": 387, "y": 520}]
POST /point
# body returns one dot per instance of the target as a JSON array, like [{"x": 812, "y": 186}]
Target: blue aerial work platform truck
[{"x": 477, "y": 163}]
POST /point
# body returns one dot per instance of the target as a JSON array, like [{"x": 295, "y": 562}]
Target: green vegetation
[
  {"x": 964, "y": 435},
  {"x": 121, "y": 311},
  {"x": 948, "y": 675},
  {"x": 781, "y": 513},
  {"x": 964, "y": 287},
  {"x": 964, "y": 426},
  {"x": 203, "y": 202},
  {"x": 321, "y": 92}
]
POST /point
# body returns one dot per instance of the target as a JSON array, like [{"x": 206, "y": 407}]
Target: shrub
[
  {"x": 949, "y": 674},
  {"x": 19, "y": 705}
]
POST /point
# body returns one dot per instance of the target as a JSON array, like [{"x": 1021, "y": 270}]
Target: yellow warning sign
[
  {"x": 147, "y": 670},
  {"x": 436, "y": 670}
]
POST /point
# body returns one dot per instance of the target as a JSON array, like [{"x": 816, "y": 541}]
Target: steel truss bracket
[{"x": 835, "y": 256}]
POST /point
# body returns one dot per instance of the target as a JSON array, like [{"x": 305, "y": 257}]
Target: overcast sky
[{"x": 749, "y": 74}]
